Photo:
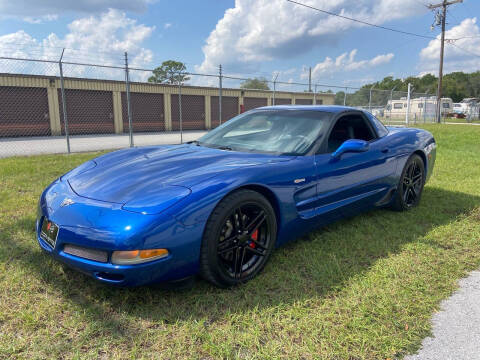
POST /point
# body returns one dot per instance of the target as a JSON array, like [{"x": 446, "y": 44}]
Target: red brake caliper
[{"x": 254, "y": 237}]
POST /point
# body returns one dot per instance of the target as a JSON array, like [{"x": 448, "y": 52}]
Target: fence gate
[
  {"x": 23, "y": 111},
  {"x": 147, "y": 112},
  {"x": 89, "y": 112},
  {"x": 193, "y": 112},
  {"x": 254, "y": 102},
  {"x": 229, "y": 109}
]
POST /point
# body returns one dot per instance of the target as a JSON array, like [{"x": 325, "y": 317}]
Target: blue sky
[{"x": 248, "y": 37}]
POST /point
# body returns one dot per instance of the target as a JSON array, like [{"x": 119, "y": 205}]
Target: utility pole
[
  {"x": 310, "y": 79},
  {"x": 443, "y": 5}
]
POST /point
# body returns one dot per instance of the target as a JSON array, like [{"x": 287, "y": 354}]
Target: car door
[{"x": 355, "y": 180}]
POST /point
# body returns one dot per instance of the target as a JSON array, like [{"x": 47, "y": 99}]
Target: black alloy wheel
[
  {"x": 411, "y": 184},
  {"x": 238, "y": 239}
]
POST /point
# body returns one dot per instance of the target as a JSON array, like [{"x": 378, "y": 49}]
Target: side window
[
  {"x": 349, "y": 127},
  {"x": 379, "y": 127},
  {"x": 398, "y": 105}
]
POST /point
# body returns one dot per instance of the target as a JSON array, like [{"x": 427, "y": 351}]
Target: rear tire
[
  {"x": 238, "y": 240},
  {"x": 410, "y": 187}
]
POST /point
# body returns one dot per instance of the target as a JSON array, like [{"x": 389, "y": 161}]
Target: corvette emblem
[{"x": 67, "y": 202}]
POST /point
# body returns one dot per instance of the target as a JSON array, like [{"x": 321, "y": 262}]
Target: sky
[{"x": 250, "y": 38}]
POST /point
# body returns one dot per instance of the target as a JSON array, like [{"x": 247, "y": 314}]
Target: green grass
[{"x": 363, "y": 288}]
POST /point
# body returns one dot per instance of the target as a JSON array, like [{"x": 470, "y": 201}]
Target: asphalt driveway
[
  {"x": 456, "y": 327},
  {"x": 57, "y": 144}
]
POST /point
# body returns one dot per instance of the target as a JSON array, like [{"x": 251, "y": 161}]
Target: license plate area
[{"x": 49, "y": 232}]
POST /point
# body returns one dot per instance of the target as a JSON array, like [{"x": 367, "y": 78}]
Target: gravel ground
[
  {"x": 456, "y": 327},
  {"x": 57, "y": 144}
]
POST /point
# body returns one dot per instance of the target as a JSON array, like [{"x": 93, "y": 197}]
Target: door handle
[{"x": 386, "y": 150}]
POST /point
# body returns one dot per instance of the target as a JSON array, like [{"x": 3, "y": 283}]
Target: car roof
[{"x": 326, "y": 108}]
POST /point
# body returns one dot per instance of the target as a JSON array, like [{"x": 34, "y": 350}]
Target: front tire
[
  {"x": 410, "y": 186},
  {"x": 238, "y": 240}
]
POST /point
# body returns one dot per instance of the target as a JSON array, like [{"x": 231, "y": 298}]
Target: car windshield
[{"x": 289, "y": 132}]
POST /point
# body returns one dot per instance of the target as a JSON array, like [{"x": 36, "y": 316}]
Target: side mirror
[{"x": 352, "y": 145}]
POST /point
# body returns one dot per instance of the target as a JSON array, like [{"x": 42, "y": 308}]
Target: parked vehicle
[
  {"x": 468, "y": 107},
  {"x": 419, "y": 107},
  {"x": 220, "y": 205}
]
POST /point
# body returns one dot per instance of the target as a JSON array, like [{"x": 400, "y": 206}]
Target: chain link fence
[{"x": 62, "y": 107}]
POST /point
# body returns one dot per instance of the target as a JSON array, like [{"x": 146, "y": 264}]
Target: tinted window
[
  {"x": 349, "y": 127},
  {"x": 379, "y": 127},
  {"x": 398, "y": 105}
]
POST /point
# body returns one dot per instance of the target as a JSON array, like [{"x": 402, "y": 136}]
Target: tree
[
  {"x": 456, "y": 85},
  {"x": 170, "y": 72},
  {"x": 256, "y": 83}
]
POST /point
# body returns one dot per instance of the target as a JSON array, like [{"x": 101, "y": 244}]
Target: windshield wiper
[
  {"x": 195, "y": 142},
  {"x": 223, "y": 147}
]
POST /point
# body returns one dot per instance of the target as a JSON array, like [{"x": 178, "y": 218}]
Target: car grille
[{"x": 86, "y": 253}]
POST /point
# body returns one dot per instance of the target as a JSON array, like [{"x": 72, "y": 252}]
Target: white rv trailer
[
  {"x": 419, "y": 107},
  {"x": 468, "y": 107}
]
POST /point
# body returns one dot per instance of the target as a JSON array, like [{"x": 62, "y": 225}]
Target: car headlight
[
  {"x": 157, "y": 200},
  {"x": 131, "y": 257}
]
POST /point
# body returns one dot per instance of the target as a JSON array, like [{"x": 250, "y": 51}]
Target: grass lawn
[{"x": 363, "y": 288}]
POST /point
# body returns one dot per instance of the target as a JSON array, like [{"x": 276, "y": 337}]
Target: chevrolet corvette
[{"x": 219, "y": 206}]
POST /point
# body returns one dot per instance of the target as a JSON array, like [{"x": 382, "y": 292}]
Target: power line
[
  {"x": 361, "y": 21},
  {"x": 463, "y": 49}
]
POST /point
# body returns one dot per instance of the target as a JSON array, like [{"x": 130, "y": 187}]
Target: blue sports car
[{"x": 220, "y": 205}]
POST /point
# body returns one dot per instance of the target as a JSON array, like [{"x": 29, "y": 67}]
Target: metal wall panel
[
  {"x": 193, "y": 112},
  {"x": 24, "y": 111},
  {"x": 306, "y": 101},
  {"x": 147, "y": 112},
  {"x": 89, "y": 112},
  {"x": 281, "y": 101},
  {"x": 229, "y": 109},
  {"x": 254, "y": 102}
]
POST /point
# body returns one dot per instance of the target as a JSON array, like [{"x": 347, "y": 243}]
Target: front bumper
[
  {"x": 121, "y": 275},
  {"x": 100, "y": 226}
]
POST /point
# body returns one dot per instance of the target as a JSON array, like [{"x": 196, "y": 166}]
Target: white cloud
[
  {"x": 261, "y": 30},
  {"x": 167, "y": 25},
  {"x": 459, "y": 55},
  {"x": 39, "y": 8},
  {"x": 93, "y": 39},
  {"x": 41, "y": 19},
  {"x": 346, "y": 62}
]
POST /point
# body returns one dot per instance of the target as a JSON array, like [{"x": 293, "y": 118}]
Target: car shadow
[{"x": 314, "y": 266}]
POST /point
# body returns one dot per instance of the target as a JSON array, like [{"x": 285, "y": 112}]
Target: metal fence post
[
  {"x": 425, "y": 109},
  {"x": 370, "y": 99},
  {"x": 180, "y": 109},
  {"x": 274, "y": 88},
  {"x": 408, "y": 104},
  {"x": 345, "y": 97},
  {"x": 64, "y": 103},
  {"x": 220, "y": 94},
  {"x": 391, "y": 101},
  {"x": 129, "y": 108}
]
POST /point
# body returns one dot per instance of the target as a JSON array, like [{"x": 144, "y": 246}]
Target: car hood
[{"x": 132, "y": 174}]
